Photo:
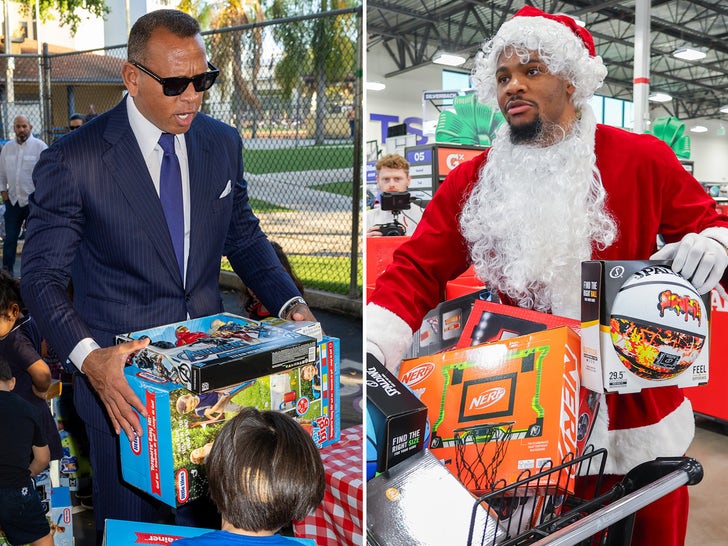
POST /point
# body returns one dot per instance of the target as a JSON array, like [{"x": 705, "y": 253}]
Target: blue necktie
[{"x": 170, "y": 194}]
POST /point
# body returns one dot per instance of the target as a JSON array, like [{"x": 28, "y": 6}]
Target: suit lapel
[{"x": 127, "y": 167}]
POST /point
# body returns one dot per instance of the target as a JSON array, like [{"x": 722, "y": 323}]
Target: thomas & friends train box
[
  {"x": 503, "y": 410},
  {"x": 643, "y": 326},
  {"x": 167, "y": 461},
  {"x": 217, "y": 351}
]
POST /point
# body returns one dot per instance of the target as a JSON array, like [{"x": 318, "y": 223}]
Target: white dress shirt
[{"x": 16, "y": 168}]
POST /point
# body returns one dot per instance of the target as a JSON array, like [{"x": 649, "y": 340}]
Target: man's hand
[
  {"x": 301, "y": 312},
  {"x": 698, "y": 258},
  {"x": 105, "y": 370},
  {"x": 374, "y": 232}
]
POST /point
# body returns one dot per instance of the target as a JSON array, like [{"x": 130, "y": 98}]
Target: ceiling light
[
  {"x": 724, "y": 109},
  {"x": 660, "y": 97},
  {"x": 449, "y": 59},
  {"x": 688, "y": 54},
  {"x": 699, "y": 129},
  {"x": 374, "y": 86}
]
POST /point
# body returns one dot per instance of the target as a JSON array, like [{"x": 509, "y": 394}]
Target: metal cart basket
[{"x": 530, "y": 511}]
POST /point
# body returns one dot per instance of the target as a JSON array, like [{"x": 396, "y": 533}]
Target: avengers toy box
[
  {"x": 642, "y": 326},
  {"x": 216, "y": 351},
  {"x": 396, "y": 420},
  {"x": 503, "y": 410},
  {"x": 419, "y": 502},
  {"x": 304, "y": 327},
  {"x": 167, "y": 461},
  {"x": 133, "y": 533}
]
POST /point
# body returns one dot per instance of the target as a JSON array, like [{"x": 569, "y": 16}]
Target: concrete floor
[{"x": 709, "y": 498}]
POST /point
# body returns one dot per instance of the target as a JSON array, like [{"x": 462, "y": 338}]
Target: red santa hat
[
  {"x": 566, "y": 48},
  {"x": 583, "y": 34}
]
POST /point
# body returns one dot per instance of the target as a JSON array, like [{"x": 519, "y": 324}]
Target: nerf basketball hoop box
[
  {"x": 168, "y": 460},
  {"x": 216, "y": 351},
  {"x": 643, "y": 326},
  {"x": 502, "y": 410}
]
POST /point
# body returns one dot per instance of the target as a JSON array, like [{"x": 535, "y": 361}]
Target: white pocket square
[{"x": 227, "y": 190}]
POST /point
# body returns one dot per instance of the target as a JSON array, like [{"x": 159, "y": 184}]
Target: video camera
[{"x": 396, "y": 201}]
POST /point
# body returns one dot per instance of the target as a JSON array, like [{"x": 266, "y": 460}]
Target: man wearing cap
[{"x": 555, "y": 189}]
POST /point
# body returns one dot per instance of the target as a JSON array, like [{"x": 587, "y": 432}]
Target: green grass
[
  {"x": 307, "y": 158},
  {"x": 258, "y": 205},
  {"x": 339, "y": 188},
  {"x": 327, "y": 273}
]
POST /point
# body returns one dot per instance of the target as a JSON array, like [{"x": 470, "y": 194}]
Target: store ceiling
[{"x": 411, "y": 31}]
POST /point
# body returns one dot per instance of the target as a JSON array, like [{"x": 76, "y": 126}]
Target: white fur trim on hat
[
  {"x": 627, "y": 448},
  {"x": 388, "y": 336},
  {"x": 562, "y": 52}
]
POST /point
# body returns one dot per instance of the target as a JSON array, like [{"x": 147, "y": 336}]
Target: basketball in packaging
[{"x": 658, "y": 324}]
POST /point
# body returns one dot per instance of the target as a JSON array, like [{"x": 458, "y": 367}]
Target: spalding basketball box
[
  {"x": 643, "y": 326},
  {"x": 219, "y": 350},
  {"x": 167, "y": 461},
  {"x": 396, "y": 420},
  {"x": 502, "y": 409}
]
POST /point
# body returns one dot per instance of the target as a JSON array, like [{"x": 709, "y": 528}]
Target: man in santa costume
[{"x": 556, "y": 188}]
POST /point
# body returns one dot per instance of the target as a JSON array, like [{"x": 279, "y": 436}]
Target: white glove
[{"x": 698, "y": 258}]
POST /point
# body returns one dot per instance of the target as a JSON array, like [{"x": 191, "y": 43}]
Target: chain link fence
[{"x": 291, "y": 87}]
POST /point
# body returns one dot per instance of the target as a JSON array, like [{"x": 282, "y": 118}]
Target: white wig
[{"x": 562, "y": 51}]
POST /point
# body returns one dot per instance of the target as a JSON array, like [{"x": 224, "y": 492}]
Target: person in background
[
  {"x": 24, "y": 455},
  {"x": 91, "y": 113},
  {"x": 17, "y": 159},
  {"x": 137, "y": 209},
  {"x": 21, "y": 347},
  {"x": 392, "y": 176},
  {"x": 555, "y": 189},
  {"x": 75, "y": 121},
  {"x": 260, "y": 491}
]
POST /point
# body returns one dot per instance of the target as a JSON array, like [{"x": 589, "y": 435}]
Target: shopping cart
[{"x": 529, "y": 511}]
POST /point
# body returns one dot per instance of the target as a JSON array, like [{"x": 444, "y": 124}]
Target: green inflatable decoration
[
  {"x": 670, "y": 130},
  {"x": 471, "y": 123}
]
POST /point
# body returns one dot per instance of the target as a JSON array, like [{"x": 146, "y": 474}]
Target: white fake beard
[{"x": 534, "y": 215}]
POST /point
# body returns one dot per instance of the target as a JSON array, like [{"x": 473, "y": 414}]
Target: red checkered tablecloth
[{"x": 338, "y": 520}]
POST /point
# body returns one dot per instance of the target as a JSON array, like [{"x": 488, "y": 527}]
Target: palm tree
[
  {"x": 232, "y": 51},
  {"x": 317, "y": 52}
]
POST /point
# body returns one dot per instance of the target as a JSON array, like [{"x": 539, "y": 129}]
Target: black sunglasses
[{"x": 176, "y": 86}]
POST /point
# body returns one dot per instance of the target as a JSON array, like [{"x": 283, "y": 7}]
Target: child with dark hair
[
  {"x": 23, "y": 456},
  {"x": 253, "y": 307},
  {"x": 264, "y": 471},
  {"x": 20, "y": 345}
]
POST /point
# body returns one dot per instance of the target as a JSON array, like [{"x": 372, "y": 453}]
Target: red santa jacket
[{"x": 648, "y": 193}]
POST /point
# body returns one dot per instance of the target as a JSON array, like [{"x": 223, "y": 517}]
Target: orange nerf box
[{"x": 503, "y": 410}]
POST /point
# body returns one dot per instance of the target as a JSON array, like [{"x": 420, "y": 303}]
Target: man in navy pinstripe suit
[{"x": 96, "y": 219}]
